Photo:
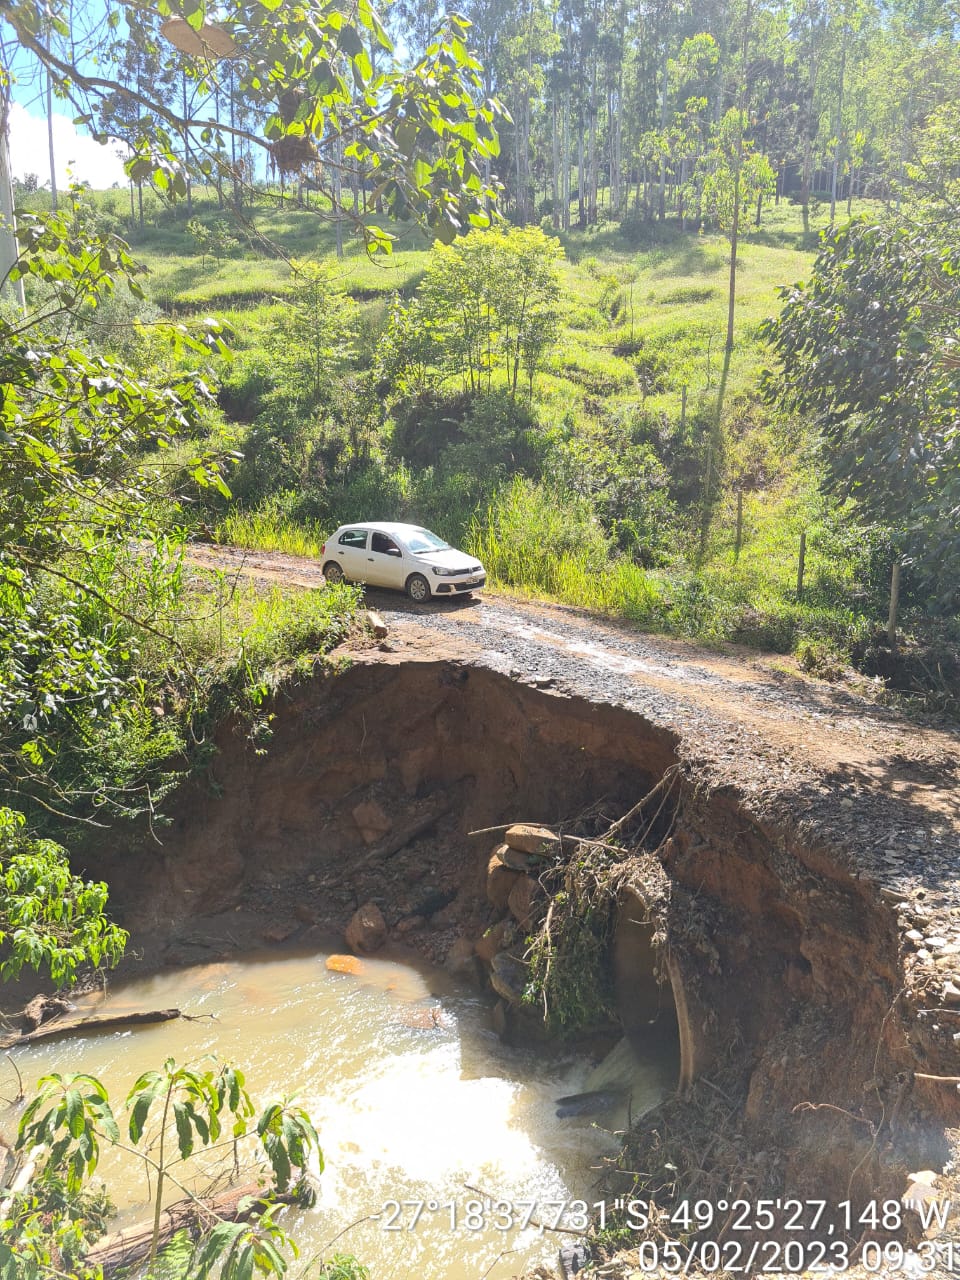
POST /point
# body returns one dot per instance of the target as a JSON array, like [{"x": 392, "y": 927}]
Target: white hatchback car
[{"x": 404, "y": 556}]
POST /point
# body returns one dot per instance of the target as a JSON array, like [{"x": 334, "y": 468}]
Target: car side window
[
  {"x": 354, "y": 538},
  {"x": 384, "y": 545}
]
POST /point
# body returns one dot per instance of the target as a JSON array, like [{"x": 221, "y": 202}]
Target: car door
[
  {"x": 385, "y": 566},
  {"x": 350, "y": 553}
]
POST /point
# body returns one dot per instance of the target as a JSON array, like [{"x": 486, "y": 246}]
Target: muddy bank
[{"x": 779, "y": 952}]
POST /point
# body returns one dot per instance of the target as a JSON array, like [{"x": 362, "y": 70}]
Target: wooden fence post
[
  {"x": 800, "y": 566},
  {"x": 894, "y": 605}
]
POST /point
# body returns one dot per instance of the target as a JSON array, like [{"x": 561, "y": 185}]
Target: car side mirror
[{"x": 395, "y": 551}]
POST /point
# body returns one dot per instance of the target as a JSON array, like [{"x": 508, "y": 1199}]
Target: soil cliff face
[{"x": 782, "y": 960}]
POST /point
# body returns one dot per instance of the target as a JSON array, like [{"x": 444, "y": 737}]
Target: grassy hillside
[{"x": 623, "y": 415}]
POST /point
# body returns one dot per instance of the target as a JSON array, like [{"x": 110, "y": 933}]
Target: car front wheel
[
  {"x": 418, "y": 588},
  {"x": 332, "y": 572}
]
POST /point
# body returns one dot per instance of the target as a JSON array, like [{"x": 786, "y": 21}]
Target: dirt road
[{"x": 752, "y": 720}]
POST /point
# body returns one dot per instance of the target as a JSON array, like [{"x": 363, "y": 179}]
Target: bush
[{"x": 244, "y": 390}]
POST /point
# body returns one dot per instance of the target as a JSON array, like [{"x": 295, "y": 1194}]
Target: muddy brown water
[{"x": 414, "y": 1097}]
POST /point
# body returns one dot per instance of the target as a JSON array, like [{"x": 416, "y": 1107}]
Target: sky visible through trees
[{"x": 617, "y": 107}]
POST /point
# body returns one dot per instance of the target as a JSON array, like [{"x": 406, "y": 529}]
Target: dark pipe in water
[{"x": 589, "y": 1104}]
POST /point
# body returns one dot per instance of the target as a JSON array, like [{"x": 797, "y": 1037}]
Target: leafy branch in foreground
[
  {"x": 82, "y": 523},
  {"x": 173, "y": 1115},
  {"x": 51, "y": 921},
  {"x": 319, "y": 82}
]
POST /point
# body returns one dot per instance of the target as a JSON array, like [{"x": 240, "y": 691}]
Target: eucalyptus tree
[{"x": 307, "y": 74}]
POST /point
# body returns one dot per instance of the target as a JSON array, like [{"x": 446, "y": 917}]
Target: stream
[{"x": 413, "y": 1095}]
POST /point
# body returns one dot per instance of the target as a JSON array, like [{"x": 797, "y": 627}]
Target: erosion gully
[{"x": 797, "y": 920}]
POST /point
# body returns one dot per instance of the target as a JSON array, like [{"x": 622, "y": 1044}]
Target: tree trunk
[
  {"x": 838, "y": 133},
  {"x": 662, "y": 198},
  {"x": 613, "y": 116},
  {"x": 555, "y": 163},
  {"x": 186, "y": 146},
  {"x": 592, "y": 150},
  {"x": 565, "y": 167},
  {"x": 53, "y": 165},
  {"x": 55, "y": 1029},
  {"x": 581, "y": 180},
  {"x": 8, "y": 224}
]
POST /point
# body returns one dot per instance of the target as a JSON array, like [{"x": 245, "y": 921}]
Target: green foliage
[
  {"x": 75, "y": 492},
  {"x": 51, "y": 921},
  {"x": 172, "y": 1115},
  {"x": 617, "y": 464},
  {"x": 481, "y": 438},
  {"x": 732, "y": 173},
  {"x": 343, "y": 1266},
  {"x": 311, "y": 336},
  {"x": 488, "y": 305},
  {"x": 423, "y": 130},
  {"x": 570, "y": 972},
  {"x": 525, "y": 530},
  {"x": 214, "y": 239},
  {"x": 866, "y": 349}
]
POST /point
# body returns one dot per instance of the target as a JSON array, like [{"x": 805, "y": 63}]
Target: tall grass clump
[
  {"x": 526, "y": 531},
  {"x": 270, "y": 528},
  {"x": 548, "y": 541}
]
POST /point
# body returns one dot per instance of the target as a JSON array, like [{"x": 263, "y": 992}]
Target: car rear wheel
[
  {"x": 418, "y": 588},
  {"x": 332, "y": 572}
]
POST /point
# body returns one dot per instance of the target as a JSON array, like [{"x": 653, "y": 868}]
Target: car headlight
[{"x": 447, "y": 573}]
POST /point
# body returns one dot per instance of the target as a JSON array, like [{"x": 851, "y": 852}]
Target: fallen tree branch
[
  {"x": 91, "y": 1024},
  {"x": 392, "y": 844},
  {"x": 559, "y": 836},
  {"x": 131, "y": 1246}
]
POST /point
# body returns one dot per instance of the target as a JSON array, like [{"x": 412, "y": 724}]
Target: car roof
[{"x": 386, "y": 526}]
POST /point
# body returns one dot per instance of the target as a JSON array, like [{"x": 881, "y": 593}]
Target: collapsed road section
[{"x": 783, "y": 901}]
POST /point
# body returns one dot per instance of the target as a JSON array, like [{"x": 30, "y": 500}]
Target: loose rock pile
[{"x": 513, "y": 887}]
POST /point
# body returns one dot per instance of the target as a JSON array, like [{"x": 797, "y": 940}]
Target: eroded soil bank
[{"x": 789, "y": 962}]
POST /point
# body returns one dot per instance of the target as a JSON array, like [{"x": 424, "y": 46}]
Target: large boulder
[
  {"x": 530, "y": 839},
  {"x": 522, "y": 900},
  {"x": 500, "y": 881},
  {"x": 495, "y": 939},
  {"x": 367, "y": 930},
  {"x": 461, "y": 959},
  {"x": 372, "y": 822},
  {"x": 508, "y": 977}
]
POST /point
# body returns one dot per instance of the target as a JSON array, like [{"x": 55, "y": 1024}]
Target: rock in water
[
  {"x": 345, "y": 964},
  {"x": 508, "y": 977},
  {"x": 367, "y": 931}
]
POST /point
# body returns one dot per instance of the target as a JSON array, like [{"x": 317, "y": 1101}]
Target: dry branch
[
  {"x": 91, "y": 1024},
  {"x": 398, "y": 839}
]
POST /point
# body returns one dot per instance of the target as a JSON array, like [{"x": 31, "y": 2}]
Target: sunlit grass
[{"x": 268, "y": 530}]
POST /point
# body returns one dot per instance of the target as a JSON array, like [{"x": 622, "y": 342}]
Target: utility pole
[{"x": 8, "y": 225}]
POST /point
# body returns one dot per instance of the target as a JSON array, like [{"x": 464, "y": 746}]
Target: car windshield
[{"x": 424, "y": 541}]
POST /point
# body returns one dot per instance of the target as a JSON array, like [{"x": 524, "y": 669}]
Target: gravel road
[{"x": 879, "y": 791}]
